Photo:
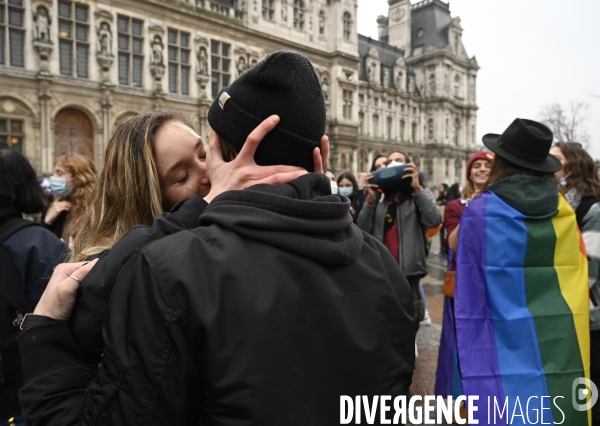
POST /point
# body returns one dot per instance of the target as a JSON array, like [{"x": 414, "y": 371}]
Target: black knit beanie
[{"x": 284, "y": 83}]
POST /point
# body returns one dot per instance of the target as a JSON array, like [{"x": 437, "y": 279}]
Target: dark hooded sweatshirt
[{"x": 264, "y": 315}]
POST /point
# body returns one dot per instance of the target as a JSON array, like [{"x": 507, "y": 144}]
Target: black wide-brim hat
[{"x": 526, "y": 143}]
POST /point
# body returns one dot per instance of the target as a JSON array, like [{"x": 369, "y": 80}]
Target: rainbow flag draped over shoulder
[{"x": 522, "y": 316}]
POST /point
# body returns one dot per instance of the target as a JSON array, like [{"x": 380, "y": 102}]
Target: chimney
[
  {"x": 399, "y": 24},
  {"x": 382, "y": 24}
]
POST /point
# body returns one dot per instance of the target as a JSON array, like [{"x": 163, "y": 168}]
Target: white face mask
[
  {"x": 395, "y": 164},
  {"x": 334, "y": 187}
]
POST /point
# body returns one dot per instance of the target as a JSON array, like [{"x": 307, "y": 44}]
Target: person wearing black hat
[
  {"x": 274, "y": 306},
  {"x": 521, "y": 279}
]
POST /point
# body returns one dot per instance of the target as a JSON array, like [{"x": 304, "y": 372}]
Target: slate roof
[
  {"x": 430, "y": 20},
  {"x": 387, "y": 54}
]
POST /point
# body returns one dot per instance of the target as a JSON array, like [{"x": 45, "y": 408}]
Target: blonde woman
[
  {"x": 72, "y": 183},
  {"x": 154, "y": 162}
]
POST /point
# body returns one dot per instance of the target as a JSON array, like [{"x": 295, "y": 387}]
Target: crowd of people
[{"x": 236, "y": 280}]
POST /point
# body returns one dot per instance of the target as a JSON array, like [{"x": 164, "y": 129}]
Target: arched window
[
  {"x": 299, "y": 15},
  {"x": 376, "y": 125},
  {"x": 447, "y": 168},
  {"x": 347, "y": 26},
  {"x": 413, "y": 135},
  {"x": 73, "y": 133},
  {"x": 456, "y": 131},
  {"x": 389, "y": 127}
]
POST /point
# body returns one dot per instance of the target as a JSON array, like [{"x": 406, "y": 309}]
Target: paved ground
[{"x": 428, "y": 337}]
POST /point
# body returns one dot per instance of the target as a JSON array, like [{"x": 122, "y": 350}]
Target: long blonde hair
[
  {"x": 128, "y": 189},
  {"x": 83, "y": 169}
]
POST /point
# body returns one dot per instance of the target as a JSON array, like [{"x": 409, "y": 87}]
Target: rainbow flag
[
  {"x": 447, "y": 376},
  {"x": 522, "y": 315}
]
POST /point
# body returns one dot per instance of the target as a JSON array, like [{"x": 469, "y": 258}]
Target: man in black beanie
[{"x": 275, "y": 306}]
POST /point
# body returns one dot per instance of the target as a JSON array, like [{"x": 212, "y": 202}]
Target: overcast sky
[{"x": 531, "y": 53}]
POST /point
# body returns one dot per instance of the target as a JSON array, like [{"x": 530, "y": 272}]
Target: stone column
[
  {"x": 369, "y": 160},
  {"x": 354, "y": 161},
  {"x": 203, "y": 107},
  {"x": 106, "y": 103},
  {"x": 44, "y": 96}
]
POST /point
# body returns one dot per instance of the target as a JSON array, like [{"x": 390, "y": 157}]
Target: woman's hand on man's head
[{"x": 243, "y": 171}]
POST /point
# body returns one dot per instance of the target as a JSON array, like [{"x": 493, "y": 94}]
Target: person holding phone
[{"x": 398, "y": 218}]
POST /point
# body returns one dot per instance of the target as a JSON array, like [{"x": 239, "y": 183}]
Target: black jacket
[
  {"x": 57, "y": 226},
  {"x": 264, "y": 315},
  {"x": 60, "y": 361},
  {"x": 93, "y": 294}
]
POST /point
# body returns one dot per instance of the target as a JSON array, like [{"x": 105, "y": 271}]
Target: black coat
[
  {"x": 93, "y": 294},
  {"x": 265, "y": 314},
  {"x": 60, "y": 361}
]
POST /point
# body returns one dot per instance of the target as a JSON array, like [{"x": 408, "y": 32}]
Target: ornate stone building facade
[{"x": 70, "y": 71}]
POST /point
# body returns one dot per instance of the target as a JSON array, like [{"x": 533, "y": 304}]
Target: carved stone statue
[
  {"x": 386, "y": 77},
  {"x": 104, "y": 39},
  {"x": 241, "y": 65},
  {"x": 371, "y": 72},
  {"x": 42, "y": 24},
  {"x": 432, "y": 85},
  {"x": 411, "y": 84},
  {"x": 284, "y": 11},
  {"x": 430, "y": 128},
  {"x": 325, "y": 87},
  {"x": 202, "y": 61},
  {"x": 322, "y": 23},
  {"x": 157, "y": 50},
  {"x": 399, "y": 84}
]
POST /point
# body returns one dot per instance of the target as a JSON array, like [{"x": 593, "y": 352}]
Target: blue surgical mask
[
  {"x": 346, "y": 192},
  {"x": 59, "y": 186}
]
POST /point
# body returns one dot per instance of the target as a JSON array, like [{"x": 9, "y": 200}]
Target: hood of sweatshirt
[
  {"x": 301, "y": 217},
  {"x": 531, "y": 195}
]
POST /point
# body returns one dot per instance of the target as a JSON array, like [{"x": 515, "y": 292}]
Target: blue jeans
[{"x": 422, "y": 293}]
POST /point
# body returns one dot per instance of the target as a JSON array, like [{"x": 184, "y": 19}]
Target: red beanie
[{"x": 487, "y": 156}]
